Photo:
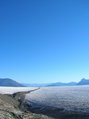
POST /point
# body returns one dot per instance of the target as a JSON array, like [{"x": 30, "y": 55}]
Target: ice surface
[{"x": 74, "y": 98}]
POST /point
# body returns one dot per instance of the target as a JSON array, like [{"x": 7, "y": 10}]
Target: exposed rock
[{"x": 12, "y": 107}]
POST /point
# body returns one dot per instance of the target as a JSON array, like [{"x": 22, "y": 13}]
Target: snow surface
[
  {"x": 11, "y": 90},
  {"x": 73, "y": 98}
]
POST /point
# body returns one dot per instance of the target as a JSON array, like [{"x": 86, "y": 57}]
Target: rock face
[
  {"x": 12, "y": 107},
  {"x": 7, "y": 115},
  {"x": 9, "y": 107}
]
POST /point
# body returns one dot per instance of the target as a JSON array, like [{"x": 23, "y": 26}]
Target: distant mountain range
[
  {"x": 9, "y": 82},
  {"x": 82, "y": 82},
  {"x": 63, "y": 84},
  {"x": 52, "y": 84},
  {"x": 36, "y": 85}
]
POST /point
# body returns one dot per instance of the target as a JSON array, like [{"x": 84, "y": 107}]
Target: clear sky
[{"x": 44, "y": 41}]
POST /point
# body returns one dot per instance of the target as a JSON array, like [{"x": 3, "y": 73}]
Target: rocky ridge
[{"x": 12, "y": 107}]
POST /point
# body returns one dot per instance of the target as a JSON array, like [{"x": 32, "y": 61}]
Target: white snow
[
  {"x": 11, "y": 90},
  {"x": 75, "y": 98}
]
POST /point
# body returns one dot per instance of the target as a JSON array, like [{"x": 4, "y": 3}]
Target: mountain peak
[
  {"x": 84, "y": 82},
  {"x": 9, "y": 82}
]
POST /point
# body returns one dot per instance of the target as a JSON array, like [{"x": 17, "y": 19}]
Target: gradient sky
[{"x": 44, "y": 41}]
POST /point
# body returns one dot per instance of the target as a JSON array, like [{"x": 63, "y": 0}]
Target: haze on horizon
[{"x": 44, "y": 41}]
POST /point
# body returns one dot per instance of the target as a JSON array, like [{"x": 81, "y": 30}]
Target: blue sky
[{"x": 44, "y": 41}]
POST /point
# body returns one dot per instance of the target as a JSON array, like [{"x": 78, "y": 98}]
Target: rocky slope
[{"x": 12, "y": 107}]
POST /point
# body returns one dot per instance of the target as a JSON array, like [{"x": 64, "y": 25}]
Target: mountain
[
  {"x": 37, "y": 85},
  {"x": 63, "y": 84},
  {"x": 51, "y": 84},
  {"x": 83, "y": 82},
  {"x": 9, "y": 82}
]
